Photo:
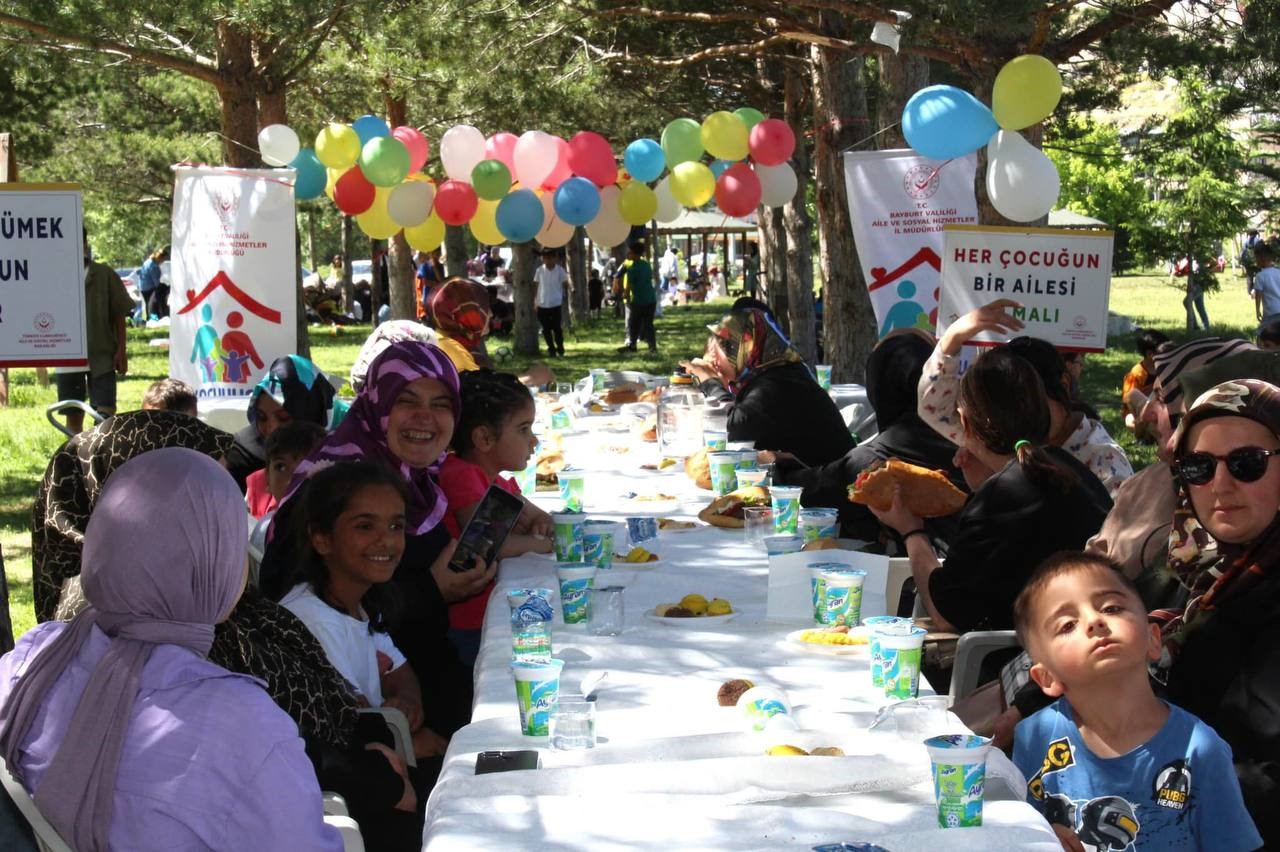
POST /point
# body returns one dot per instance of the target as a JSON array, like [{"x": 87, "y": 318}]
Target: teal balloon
[
  {"x": 491, "y": 179},
  {"x": 519, "y": 215},
  {"x": 719, "y": 167},
  {"x": 682, "y": 141},
  {"x": 384, "y": 160},
  {"x": 311, "y": 178},
  {"x": 370, "y": 127},
  {"x": 750, "y": 116},
  {"x": 942, "y": 122},
  {"x": 644, "y": 160}
]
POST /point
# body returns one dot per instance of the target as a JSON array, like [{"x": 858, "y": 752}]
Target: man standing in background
[
  {"x": 551, "y": 279},
  {"x": 641, "y": 298},
  {"x": 155, "y": 293}
]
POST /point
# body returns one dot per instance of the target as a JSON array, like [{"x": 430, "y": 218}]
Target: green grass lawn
[{"x": 27, "y": 439}]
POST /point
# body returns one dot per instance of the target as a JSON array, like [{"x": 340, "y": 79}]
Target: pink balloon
[
  {"x": 738, "y": 190},
  {"x": 419, "y": 150},
  {"x": 502, "y": 147},
  {"x": 561, "y": 172},
  {"x": 456, "y": 202},
  {"x": 771, "y": 142},
  {"x": 591, "y": 157}
]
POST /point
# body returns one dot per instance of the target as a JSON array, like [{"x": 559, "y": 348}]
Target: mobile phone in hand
[{"x": 494, "y": 518}]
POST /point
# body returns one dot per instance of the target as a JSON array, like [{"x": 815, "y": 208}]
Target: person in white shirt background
[{"x": 551, "y": 279}]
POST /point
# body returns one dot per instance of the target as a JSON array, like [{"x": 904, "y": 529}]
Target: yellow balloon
[
  {"x": 484, "y": 225},
  {"x": 1026, "y": 91},
  {"x": 724, "y": 135},
  {"x": 376, "y": 222},
  {"x": 427, "y": 236},
  {"x": 334, "y": 174},
  {"x": 692, "y": 184},
  {"x": 636, "y": 203},
  {"x": 337, "y": 146}
]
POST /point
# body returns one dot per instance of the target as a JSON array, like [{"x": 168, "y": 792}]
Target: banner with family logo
[
  {"x": 42, "y": 296},
  {"x": 1060, "y": 277},
  {"x": 899, "y": 203},
  {"x": 233, "y": 301}
]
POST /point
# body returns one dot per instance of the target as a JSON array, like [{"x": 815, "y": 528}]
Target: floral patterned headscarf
[{"x": 752, "y": 343}]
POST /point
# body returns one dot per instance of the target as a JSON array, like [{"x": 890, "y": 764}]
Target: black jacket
[
  {"x": 247, "y": 454},
  {"x": 783, "y": 409}
]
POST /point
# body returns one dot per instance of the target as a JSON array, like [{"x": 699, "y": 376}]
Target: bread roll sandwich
[
  {"x": 727, "y": 511},
  {"x": 926, "y": 493}
]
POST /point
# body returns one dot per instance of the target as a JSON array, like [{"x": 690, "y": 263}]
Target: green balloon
[
  {"x": 491, "y": 179},
  {"x": 384, "y": 160},
  {"x": 682, "y": 141},
  {"x": 750, "y": 116}
]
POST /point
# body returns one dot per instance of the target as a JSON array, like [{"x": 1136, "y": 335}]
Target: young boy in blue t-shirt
[{"x": 1110, "y": 765}]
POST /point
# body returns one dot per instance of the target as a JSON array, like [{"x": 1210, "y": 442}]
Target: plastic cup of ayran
[
  {"x": 567, "y": 542},
  {"x": 876, "y": 626},
  {"x": 818, "y": 523},
  {"x": 765, "y": 708},
  {"x": 842, "y": 595},
  {"x": 575, "y": 579},
  {"x": 723, "y": 471},
  {"x": 715, "y": 441},
  {"x": 537, "y": 692},
  {"x": 780, "y": 544},
  {"x": 823, "y": 372},
  {"x": 818, "y": 587},
  {"x": 959, "y": 774},
  {"x": 750, "y": 476},
  {"x": 900, "y": 661},
  {"x": 597, "y": 543},
  {"x": 786, "y": 508},
  {"x": 571, "y": 489}
]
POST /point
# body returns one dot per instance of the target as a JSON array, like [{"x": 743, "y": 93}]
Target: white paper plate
[
  {"x": 695, "y": 623},
  {"x": 793, "y": 641}
]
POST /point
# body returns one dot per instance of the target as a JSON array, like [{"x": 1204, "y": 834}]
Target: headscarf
[
  {"x": 191, "y": 514},
  {"x": 1241, "y": 567},
  {"x": 302, "y": 390},
  {"x": 363, "y": 434},
  {"x": 460, "y": 308},
  {"x": 387, "y": 333},
  {"x": 1190, "y": 356},
  {"x": 893, "y": 372},
  {"x": 754, "y": 343},
  {"x": 75, "y": 477}
]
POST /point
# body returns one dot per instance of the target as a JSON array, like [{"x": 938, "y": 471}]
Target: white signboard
[
  {"x": 233, "y": 301},
  {"x": 1060, "y": 277},
  {"x": 899, "y": 203},
  {"x": 42, "y": 310}
]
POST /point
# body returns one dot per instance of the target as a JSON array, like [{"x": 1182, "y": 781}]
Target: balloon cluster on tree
[
  {"x": 942, "y": 122},
  {"x": 537, "y": 186}
]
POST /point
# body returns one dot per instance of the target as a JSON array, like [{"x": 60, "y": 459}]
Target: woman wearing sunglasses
[{"x": 1225, "y": 648}]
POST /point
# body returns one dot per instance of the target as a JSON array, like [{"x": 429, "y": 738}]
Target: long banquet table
[{"x": 673, "y": 769}]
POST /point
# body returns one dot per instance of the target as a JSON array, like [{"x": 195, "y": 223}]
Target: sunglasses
[{"x": 1245, "y": 464}]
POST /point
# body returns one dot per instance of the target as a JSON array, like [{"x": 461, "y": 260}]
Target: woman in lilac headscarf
[
  {"x": 127, "y": 737},
  {"x": 404, "y": 418}
]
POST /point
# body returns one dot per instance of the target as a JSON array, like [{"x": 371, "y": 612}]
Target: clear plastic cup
[
  {"x": 575, "y": 581},
  {"x": 900, "y": 654},
  {"x": 842, "y": 595},
  {"x": 757, "y": 521},
  {"x": 959, "y": 775},
  {"x": 537, "y": 693},
  {"x": 597, "y": 543},
  {"x": 723, "y": 471},
  {"x": 819, "y": 523},
  {"x": 572, "y": 489},
  {"x": 878, "y": 625},
  {"x": 608, "y": 614},
  {"x": 786, "y": 508},
  {"x": 573, "y": 723},
  {"x": 568, "y": 536}
]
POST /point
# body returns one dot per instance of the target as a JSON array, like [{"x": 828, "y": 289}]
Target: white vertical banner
[
  {"x": 899, "y": 202},
  {"x": 232, "y": 303}
]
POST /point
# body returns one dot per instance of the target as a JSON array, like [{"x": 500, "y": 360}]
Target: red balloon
[
  {"x": 456, "y": 202},
  {"x": 771, "y": 142},
  {"x": 419, "y": 150},
  {"x": 561, "y": 172},
  {"x": 738, "y": 190},
  {"x": 502, "y": 147},
  {"x": 591, "y": 157},
  {"x": 352, "y": 193}
]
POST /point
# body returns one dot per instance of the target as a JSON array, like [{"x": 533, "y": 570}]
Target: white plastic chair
[
  {"x": 399, "y": 725},
  {"x": 47, "y": 838},
  {"x": 899, "y": 573},
  {"x": 350, "y": 831},
  {"x": 971, "y": 649}
]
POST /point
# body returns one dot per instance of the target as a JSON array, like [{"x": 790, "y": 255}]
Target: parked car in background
[{"x": 362, "y": 272}]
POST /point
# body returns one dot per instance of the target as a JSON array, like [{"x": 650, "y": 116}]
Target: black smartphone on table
[
  {"x": 506, "y": 761},
  {"x": 494, "y": 518}
]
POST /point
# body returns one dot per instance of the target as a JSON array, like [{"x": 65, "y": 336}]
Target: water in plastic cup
[
  {"x": 924, "y": 717},
  {"x": 823, "y": 372},
  {"x": 818, "y": 523},
  {"x": 531, "y": 616},
  {"x": 715, "y": 441},
  {"x": 757, "y": 521},
  {"x": 537, "y": 692},
  {"x": 818, "y": 587},
  {"x": 568, "y": 536},
  {"x": 780, "y": 544},
  {"x": 959, "y": 774},
  {"x": 571, "y": 489},
  {"x": 608, "y": 615},
  {"x": 573, "y": 724},
  {"x": 878, "y": 624},
  {"x": 723, "y": 471},
  {"x": 900, "y": 660},
  {"x": 750, "y": 476},
  {"x": 842, "y": 595},
  {"x": 597, "y": 543},
  {"x": 575, "y": 580},
  {"x": 786, "y": 508}
]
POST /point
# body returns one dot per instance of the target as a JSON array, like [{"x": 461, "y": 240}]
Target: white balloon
[
  {"x": 536, "y": 156},
  {"x": 1022, "y": 182},
  {"x": 555, "y": 231},
  {"x": 409, "y": 203},
  {"x": 668, "y": 208},
  {"x": 278, "y": 144},
  {"x": 777, "y": 184},
  {"x": 608, "y": 228},
  {"x": 461, "y": 147}
]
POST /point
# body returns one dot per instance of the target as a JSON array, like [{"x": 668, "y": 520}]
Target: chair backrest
[
  {"x": 47, "y": 837},
  {"x": 899, "y": 573},
  {"x": 399, "y": 725}
]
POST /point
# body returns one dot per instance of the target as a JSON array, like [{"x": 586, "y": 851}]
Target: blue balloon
[
  {"x": 311, "y": 177},
  {"x": 644, "y": 160},
  {"x": 942, "y": 122},
  {"x": 577, "y": 201},
  {"x": 718, "y": 167},
  {"x": 370, "y": 127},
  {"x": 519, "y": 215}
]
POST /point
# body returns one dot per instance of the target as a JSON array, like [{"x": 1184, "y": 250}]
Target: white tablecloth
[{"x": 672, "y": 768}]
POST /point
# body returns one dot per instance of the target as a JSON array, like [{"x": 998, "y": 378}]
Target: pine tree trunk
[
  {"x": 773, "y": 262},
  {"x": 455, "y": 251},
  {"x": 526, "y": 325},
  {"x": 348, "y": 287},
  {"x": 576, "y": 262},
  {"x": 404, "y": 304},
  {"x": 798, "y": 227},
  {"x": 238, "y": 97},
  {"x": 901, "y": 76},
  {"x": 840, "y": 114}
]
